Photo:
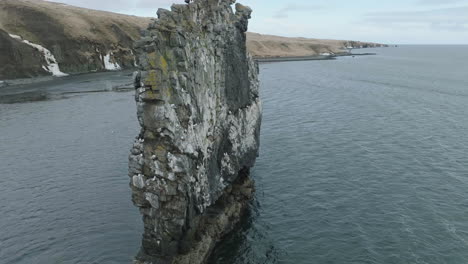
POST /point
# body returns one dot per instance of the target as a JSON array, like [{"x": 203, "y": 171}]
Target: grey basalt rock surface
[{"x": 200, "y": 113}]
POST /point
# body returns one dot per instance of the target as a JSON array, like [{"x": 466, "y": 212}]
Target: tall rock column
[{"x": 199, "y": 110}]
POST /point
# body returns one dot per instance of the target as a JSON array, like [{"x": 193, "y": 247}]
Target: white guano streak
[{"x": 52, "y": 65}]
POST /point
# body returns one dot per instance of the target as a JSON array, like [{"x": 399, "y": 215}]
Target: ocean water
[
  {"x": 64, "y": 194},
  {"x": 363, "y": 160}
]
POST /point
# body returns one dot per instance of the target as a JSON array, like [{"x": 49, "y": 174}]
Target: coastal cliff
[
  {"x": 18, "y": 59},
  {"x": 39, "y": 38},
  {"x": 199, "y": 110}
]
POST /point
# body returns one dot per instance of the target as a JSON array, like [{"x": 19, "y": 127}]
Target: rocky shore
[{"x": 199, "y": 110}]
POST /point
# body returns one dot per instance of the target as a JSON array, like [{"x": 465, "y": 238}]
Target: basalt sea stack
[{"x": 200, "y": 113}]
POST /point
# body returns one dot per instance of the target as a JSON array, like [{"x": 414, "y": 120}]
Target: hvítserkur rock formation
[{"x": 199, "y": 110}]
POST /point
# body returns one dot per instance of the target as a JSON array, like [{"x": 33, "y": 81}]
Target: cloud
[
  {"x": 285, "y": 11},
  {"x": 443, "y": 19},
  {"x": 438, "y": 2},
  {"x": 156, "y": 3},
  {"x": 112, "y": 5}
]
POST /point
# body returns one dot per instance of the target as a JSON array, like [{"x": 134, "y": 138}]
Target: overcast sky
[{"x": 388, "y": 21}]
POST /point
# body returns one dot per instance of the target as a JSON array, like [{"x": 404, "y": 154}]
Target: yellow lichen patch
[
  {"x": 151, "y": 80},
  {"x": 152, "y": 60},
  {"x": 150, "y": 135},
  {"x": 168, "y": 92},
  {"x": 160, "y": 152},
  {"x": 160, "y": 148},
  {"x": 152, "y": 95},
  {"x": 163, "y": 64}
]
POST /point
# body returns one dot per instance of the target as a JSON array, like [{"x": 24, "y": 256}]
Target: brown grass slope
[
  {"x": 77, "y": 37},
  {"x": 80, "y": 37}
]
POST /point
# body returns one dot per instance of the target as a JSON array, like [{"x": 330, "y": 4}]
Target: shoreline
[
  {"x": 48, "y": 78},
  {"x": 309, "y": 58},
  {"x": 44, "y": 79},
  {"x": 21, "y": 82},
  {"x": 40, "y": 89}
]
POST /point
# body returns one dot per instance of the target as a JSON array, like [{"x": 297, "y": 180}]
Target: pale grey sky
[{"x": 397, "y": 21}]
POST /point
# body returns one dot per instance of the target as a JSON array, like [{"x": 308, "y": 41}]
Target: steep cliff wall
[
  {"x": 199, "y": 110},
  {"x": 80, "y": 40}
]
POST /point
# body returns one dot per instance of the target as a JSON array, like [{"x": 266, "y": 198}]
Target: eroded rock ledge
[{"x": 200, "y": 113}]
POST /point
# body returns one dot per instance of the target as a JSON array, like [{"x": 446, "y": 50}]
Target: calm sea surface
[{"x": 363, "y": 160}]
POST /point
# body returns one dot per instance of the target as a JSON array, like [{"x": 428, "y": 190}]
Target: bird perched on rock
[{"x": 188, "y": 1}]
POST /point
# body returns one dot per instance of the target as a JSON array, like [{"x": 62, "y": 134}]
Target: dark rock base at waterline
[{"x": 219, "y": 220}]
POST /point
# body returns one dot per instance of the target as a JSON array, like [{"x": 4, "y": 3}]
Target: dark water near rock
[{"x": 363, "y": 160}]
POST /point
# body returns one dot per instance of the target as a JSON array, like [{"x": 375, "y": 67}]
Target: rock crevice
[{"x": 199, "y": 110}]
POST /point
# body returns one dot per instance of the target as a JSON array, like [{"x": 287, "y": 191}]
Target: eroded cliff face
[
  {"x": 18, "y": 59},
  {"x": 80, "y": 40},
  {"x": 199, "y": 110}
]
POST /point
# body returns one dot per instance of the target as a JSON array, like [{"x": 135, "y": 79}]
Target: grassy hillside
[
  {"x": 85, "y": 40},
  {"x": 78, "y": 38}
]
